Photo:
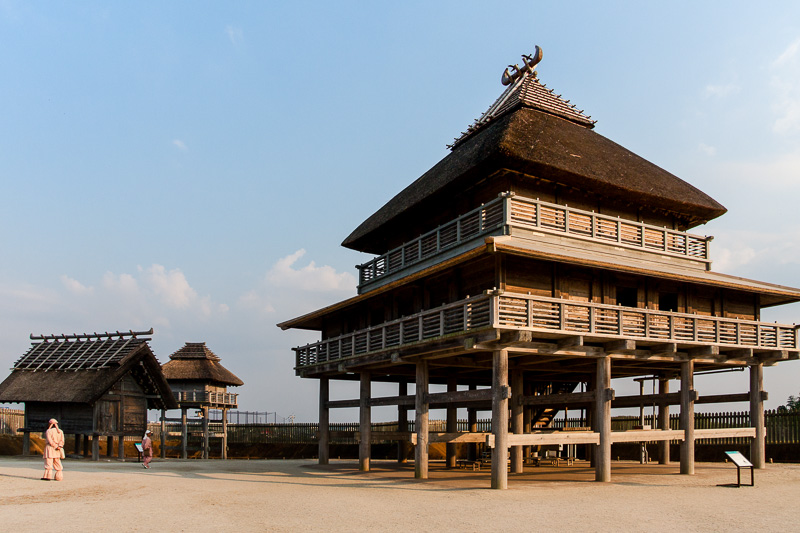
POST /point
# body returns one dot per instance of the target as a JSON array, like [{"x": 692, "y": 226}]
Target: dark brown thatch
[
  {"x": 81, "y": 371},
  {"x": 195, "y": 362},
  {"x": 539, "y": 144}
]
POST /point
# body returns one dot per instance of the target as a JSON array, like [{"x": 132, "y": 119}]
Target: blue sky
[{"x": 193, "y": 166}]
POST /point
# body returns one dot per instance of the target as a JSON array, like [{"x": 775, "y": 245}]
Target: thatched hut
[
  {"x": 199, "y": 381},
  {"x": 98, "y": 385}
]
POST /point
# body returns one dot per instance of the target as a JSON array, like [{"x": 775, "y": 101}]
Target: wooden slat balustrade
[{"x": 516, "y": 211}]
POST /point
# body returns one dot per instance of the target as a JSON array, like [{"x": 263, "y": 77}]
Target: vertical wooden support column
[
  {"x": 451, "y": 425},
  {"x": 500, "y": 419},
  {"x": 184, "y": 435},
  {"x": 402, "y": 422},
  {"x": 758, "y": 447},
  {"x": 205, "y": 432},
  {"x": 86, "y": 445},
  {"x": 687, "y": 417},
  {"x": 225, "y": 433},
  {"x": 421, "y": 421},
  {"x": 121, "y": 447},
  {"x": 365, "y": 422},
  {"x": 77, "y": 449},
  {"x": 517, "y": 421},
  {"x": 602, "y": 420},
  {"x": 26, "y": 435},
  {"x": 472, "y": 421},
  {"x": 95, "y": 447},
  {"x": 163, "y": 434},
  {"x": 324, "y": 422},
  {"x": 527, "y": 422},
  {"x": 591, "y": 449},
  {"x": 663, "y": 422}
]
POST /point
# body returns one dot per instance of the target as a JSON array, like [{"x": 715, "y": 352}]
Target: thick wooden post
[
  {"x": 163, "y": 434},
  {"x": 451, "y": 425},
  {"x": 421, "y": 421},
  {"x": 663, "y": 422},
  {"x": 758, "y": 447},
  {"x": 687, "y": 417},
  {"x": 26, "y": 435},
  {"x": 591, "y": 449},
  {"x": 500, "y": 419},
  {"x": 109, "y": 446},
  {"x": 517, "y": 420},
  {"x": 324, "y": 421},
  {"x": 86, "y": 445},
  {"x": 365, "y": 422},
  {"x": 225, "y": 433},
  {"x": 95, "y": 447},
  {"x": 602, "y": 420},
  {"x": 527, "y": 422},
  {"x": 402, "y": 422},
  {"x": 184, "y": 435},
  {"x": 472, "y": 421},
  {"x": 77, "y": 449},
  {"x": 121, "y": 447},
  {"x": 205, "y": 432}
]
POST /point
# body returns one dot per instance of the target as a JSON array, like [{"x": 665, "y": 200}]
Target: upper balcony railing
[
  {"x": 205, "y": 397},
  {"x": 516, "y": 211},
  {"x": 552, "y": 315}
]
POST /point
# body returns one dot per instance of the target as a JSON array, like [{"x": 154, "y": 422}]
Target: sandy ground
[{"x": 271, "y": 495}]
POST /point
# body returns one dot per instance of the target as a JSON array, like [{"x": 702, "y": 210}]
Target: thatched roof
[
  {"x": 536, "y": 134},
  {"x": 195, "y": 362},
  {"x": 81, "y": 370}
]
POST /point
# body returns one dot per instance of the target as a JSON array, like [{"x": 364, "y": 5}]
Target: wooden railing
[
  {"x": 465, "y": 315},
  {"x": 519, "y": 311},
  {"x": 216, "y": 398},
  {"x": 535, "y": 313},
  {"x": 516, "y": 211}
]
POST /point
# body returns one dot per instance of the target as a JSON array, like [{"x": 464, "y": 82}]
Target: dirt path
[{"x": 262, "y": 495}]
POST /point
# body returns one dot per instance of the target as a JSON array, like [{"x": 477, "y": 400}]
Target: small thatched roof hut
[{"x": 195, "y": 362}]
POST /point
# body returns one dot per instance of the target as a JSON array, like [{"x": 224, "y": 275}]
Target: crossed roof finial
[{"x": 528, "y": 62}]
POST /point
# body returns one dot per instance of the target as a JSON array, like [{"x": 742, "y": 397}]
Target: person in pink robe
[
  {"x": 53, "y": 450},
  {"x": 147, "y": 448}
]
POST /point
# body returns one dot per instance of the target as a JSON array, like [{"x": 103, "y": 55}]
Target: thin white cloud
[
  {"x": 785, "y": 84},
  {"x": 180, "y": 144},
  {"x": 309, "y": 277},
  {"x": 170, "y": 286},
  {"x": 74, "y": 286},
  {"x": 235, "y": 35},
  {"x": 706, "y": 149},
  {"x": 721, "y": 91}
]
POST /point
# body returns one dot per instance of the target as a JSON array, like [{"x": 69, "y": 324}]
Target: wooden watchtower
[
  {"x": 95, "y": 385},
  {"x": 538, "y": 256},
  {"x": 200, "y": 382}
]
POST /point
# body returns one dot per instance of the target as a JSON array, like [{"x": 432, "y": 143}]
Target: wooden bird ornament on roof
[{"x": 528, "y": 62}]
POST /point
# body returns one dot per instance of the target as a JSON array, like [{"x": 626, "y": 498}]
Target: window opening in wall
[
  {"x": 628, "y": 296},
  {"x": 668, "y": 301}
]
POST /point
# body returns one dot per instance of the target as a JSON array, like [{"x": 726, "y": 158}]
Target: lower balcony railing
[
  {"x": 216, "y": 398},
  {"x": 551, "y": 315}
]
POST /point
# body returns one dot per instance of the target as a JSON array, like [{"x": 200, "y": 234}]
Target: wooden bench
[
  {"x": 466, "y": 463},
  {"x": 741, "y": 462}
]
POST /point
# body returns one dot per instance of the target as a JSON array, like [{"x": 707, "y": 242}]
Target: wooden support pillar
[
  {"x": 163, "y": 448},
  {"x": 421, "y": 421},
  {"x": 205, "y": 432},
  {"x": 402, "y": 423},
  {"x": 121, "y": 447},
  {"x": 95, "y": 447},
  {"x": 109, "y": 446},
  {"x": 687, "y": 417},
  {"x": 224, "y": 432},
  {"x": 26, "y": 442},
  {"x": 663, "y": 422},
  {"x": 472, "y": 421},
  {"x": 758, "y": 446},
  {"x": 86, "y": 445},
  {"x": 184, "y": 435},
  {"x": 451, "y": 425},
  {"x": 591, "y": 449},
  {"x": 365, "y": 422},
  {"x": 500, "y": 419},
  {"x": 324, "y": 421},
  {"x": 527, "y": 422},
  {"x": 602, "y": 419},
  {"x": 517, "y": 421},
  {"x": 77, "y": 449}
]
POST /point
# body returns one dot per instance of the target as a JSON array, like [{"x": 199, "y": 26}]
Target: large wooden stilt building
[{"x": 536, "y": 257}]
